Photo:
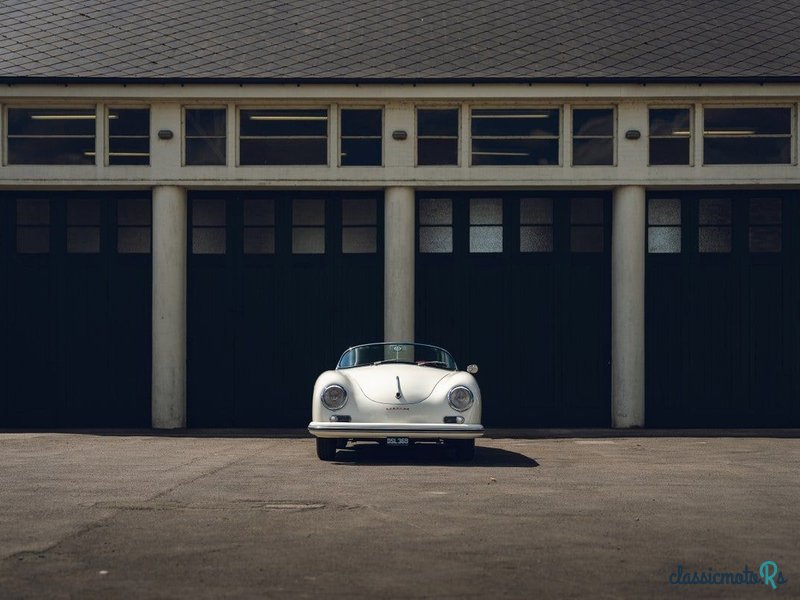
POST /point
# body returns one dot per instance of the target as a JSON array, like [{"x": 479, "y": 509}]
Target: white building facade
[{"x": 620, "y": 254}]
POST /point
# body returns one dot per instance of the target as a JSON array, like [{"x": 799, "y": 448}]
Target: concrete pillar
[
  {"x": 398, "y": 277},
  {"x": 627, "y": 307},
  {"x": 169, "y": 307}
]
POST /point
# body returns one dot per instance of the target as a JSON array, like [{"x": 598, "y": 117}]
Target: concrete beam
[
  {"x": 169, "y": 307},
  {"x": 398, "y": 287},
  {"x": 627, "y": 307}
]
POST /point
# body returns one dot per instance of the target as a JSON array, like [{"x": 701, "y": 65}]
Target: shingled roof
[{"x": 399, "y": 40}]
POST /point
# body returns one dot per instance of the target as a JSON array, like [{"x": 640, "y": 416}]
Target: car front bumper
[{"x": 377, "y": 431}]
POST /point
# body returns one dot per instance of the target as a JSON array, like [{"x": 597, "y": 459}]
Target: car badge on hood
[{"x": 399, "y": 393}]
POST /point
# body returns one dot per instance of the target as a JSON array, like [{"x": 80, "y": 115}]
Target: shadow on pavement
[{"x": 429, "y": 454}]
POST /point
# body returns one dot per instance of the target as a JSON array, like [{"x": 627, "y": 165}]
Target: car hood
[{"x": 379, "y": 383}]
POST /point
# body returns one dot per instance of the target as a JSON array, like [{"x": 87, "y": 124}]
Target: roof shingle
[{"x": 382, "y": 40}]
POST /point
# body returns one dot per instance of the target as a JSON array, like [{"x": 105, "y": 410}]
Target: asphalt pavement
[{"x": 572, "y": 514}]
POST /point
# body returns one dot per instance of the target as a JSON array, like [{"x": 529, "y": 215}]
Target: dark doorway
[
  {"x": 519, "y": 283},
  {"x": 76, "y": 309},
  {"x": 279, "y": 286},
  {"x": 723, "y": 309}
]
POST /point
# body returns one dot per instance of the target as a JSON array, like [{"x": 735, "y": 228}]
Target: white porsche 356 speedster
[{"x": 396, "y": 393}]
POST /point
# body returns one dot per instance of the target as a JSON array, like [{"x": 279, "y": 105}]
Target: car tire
[
  {"x": 326, "y": 448},
  {"x": 464, "y": 450}
]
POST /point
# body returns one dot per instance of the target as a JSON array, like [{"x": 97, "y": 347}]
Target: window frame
[
  {"x": 460, "y": 135},
  {"x": 330, "y": 113},
  {"x": 339, "y": 110},
  {"x": 4, "y": 130},
  {"x": 184, "y": 121},
  {"x": 559, "y": 108},
  {"x": 691, "y": 136},
  {"x": 107, "y": 133},
  {"x": 614, "y": 133},
  {"x": 750, "y": 105}
]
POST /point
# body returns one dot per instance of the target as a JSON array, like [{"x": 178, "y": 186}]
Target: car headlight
[
  {"x": 334, "y": 397},
  {"x": 460, "y": 398}
]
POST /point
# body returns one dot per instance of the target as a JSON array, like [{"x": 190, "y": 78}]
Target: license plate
[{"x": 395, "y": 441}]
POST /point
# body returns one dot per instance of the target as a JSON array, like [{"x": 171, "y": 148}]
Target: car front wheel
[{"x": 326, "y": 448}]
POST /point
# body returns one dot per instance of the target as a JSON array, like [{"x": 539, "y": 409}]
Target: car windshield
[{"x": 412, "y": 354}]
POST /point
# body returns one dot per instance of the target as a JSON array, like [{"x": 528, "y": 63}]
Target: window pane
[
  {"x": 129, "y": 121},
  {"x": 133, "y": 240},
  {"x": 51, "y": 121},
  {"x": 284, "y": 151},
  {"x": 83, "y": 212},
  {"x": 435, "y": 211},
  {"x": 765, "y": 239},
  {"x": 664, "y": 211},
  {"x": 437, "y": 136},
  {"x": 129, "y": 151},
  {"x": 485, "y": 211},
  {"x": 308, "y": 212},
  {"x": 208, "y": 211},
  {"x": 663, "y": 240},
  {"x": 359, "y": 211},
  {"x": 359, "y": 240},
  {"x": 485, "y": 239},
  {"x": 362, "y": 122},
  {"x": 259, "y": 240},
  {"x": 308, "y": 240},
  {"x": 765, "y": 211},
  {"x": 206, "y": 122},
  {"x": 83, "y": 240},
  {"x": 514, "y": 122},
  {"x": 362, "y": 153},
  {"x": 586, "y": 211},
  {"x": 33, "y": 212},
  {"x": 436, "y": 239},
  {"x": 133, "y": 211},
  {"x": 714, "y": 239},
  {"x": 51, "y": 151},
  {"x": 536, "y": 239},
  {"x": 747, "y": 121},
  {"x": 205, "y": 151},
  {"x": 669, "y": 121},
  {"x": 486, "y": 152},
  {"x": 259, "y": 211},
  {"x": 284, "y": 137},
  {"x": 593, "y": 151},
  {"x": 51, "y": 136},
  {"x": 593, "y": 136},
  {"x": 208, "y": 240},
  {"x": 33, "y": 240},
  {"x": 515, "y": 136},
  {"x": 669, "y": 151},
  {"x": 536, "y": 211},
  {"x": 437, "y": 122},
  {"x": 747, "y": 151},
  {"x": 593, "y": 121},
  {"x": 715, "y": 211},
  {"x": 586, "y": 239},
  {"x": 433, "y": 152},
  {"x": 735, "y": 136}
]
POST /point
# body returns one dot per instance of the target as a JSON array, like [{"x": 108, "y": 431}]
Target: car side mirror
[{"x": 472, "y": 369}]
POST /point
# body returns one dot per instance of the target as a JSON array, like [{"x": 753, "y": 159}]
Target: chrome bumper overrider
[{"x": 384, "y": 430}]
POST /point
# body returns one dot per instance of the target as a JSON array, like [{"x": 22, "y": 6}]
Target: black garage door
[
  {"x": 76, "y": 306},
  {"x": 520, "y": 284},
  {"x": 723, "y": 309},
  {"x": 279, "y": 286}
]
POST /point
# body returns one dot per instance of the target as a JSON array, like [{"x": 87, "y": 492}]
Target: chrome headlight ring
[
  {"x": 333, "y": 397},
  {"x": 460, "y": 398}
]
